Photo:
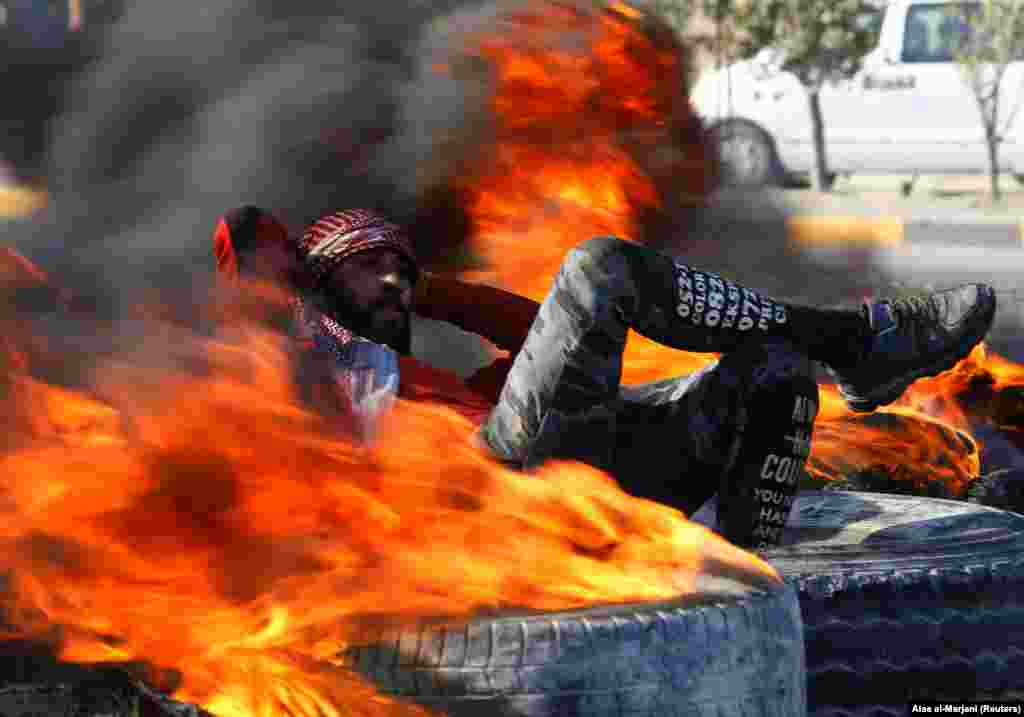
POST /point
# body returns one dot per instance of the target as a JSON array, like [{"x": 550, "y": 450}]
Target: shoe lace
[
  {"x": 917, "y": 304},
  {"x": 916, "y": 312}
]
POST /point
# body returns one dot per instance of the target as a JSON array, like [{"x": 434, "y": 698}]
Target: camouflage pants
[{"x": 741, "y": 426}]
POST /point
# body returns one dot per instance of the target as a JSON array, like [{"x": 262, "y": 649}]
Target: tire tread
[{"x": 884, "y": 620}]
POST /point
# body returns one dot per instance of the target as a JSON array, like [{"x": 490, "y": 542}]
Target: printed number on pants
[{"x": 709, "y": 300}]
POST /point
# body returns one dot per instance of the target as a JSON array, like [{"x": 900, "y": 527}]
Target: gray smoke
[
  {"x": 302, "y": 108},
  {"x": 744, "y": 235}
]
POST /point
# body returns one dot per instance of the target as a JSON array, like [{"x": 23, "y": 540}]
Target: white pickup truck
[{"x": 908, "y": 110}]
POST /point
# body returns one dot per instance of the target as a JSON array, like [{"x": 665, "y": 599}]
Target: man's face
[{"x": 371, "y": 293}]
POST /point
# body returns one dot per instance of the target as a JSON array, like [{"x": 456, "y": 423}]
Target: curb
[
  {"x": 823, "y": 231},
  {"x": 851, "y": 238}
]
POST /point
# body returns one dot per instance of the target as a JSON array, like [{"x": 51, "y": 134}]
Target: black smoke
[{"x": 188, "y": 110}]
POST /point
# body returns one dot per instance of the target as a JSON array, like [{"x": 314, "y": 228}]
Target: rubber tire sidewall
[
  {"x": 706, "y": 656},
  {"x": 772, "y": 173}
]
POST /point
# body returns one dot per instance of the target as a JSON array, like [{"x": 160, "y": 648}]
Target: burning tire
[
  {"x": 727, "y": 653},
  {"x": 105, "y": 697},
  {"x": 905, "y": 596}
]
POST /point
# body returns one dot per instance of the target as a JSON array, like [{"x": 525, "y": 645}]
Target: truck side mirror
[{"x": 764, "y": 56}]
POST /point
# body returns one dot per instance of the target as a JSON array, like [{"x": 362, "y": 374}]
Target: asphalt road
[
  {"x": 946, "y": 259},
  {"x": 944, "y": 242}
]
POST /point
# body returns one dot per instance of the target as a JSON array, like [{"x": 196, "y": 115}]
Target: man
[
  {"x": 251, "y": 246},
  {"x": 741, "y": 426},
  {"x": 360, "y": 272}
]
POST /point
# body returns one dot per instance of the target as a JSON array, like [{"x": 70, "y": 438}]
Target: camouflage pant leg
[
  {"x": 560, "y": 396},
  {"x": 743, "y": 423}
]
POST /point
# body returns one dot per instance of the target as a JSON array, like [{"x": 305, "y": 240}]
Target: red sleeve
[
  {"x": 489, "y": 380},
  {"x": 501, "y": 317},
  {"x": 422, "y": 382}
]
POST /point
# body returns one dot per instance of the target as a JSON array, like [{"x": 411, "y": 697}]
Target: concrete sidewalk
[
  {"x": 871, "y": 210},
  {"x": 953, "y": 195},
  {"x": 866, "y": 238},
  {"x": 953, "y": 210}
]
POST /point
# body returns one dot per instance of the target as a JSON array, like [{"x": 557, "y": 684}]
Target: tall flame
[
  {"x": 190, "y": 513},
  {"x": 592, "y": 128}
]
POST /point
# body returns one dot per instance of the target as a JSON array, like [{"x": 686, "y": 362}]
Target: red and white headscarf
[{"x": 335, "y": 237}]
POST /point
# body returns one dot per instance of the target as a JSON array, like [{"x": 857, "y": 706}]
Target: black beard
[{"x": 361, "y": 323}]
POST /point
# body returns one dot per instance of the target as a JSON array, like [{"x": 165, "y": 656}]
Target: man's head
[
  {"x": 363, "y": 268},
  {"x": 250, "y": 243}
]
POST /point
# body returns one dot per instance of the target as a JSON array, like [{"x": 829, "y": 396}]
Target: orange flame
[
  {"x": 928, "y": 434},
  {"x": 217, "y": 527},
  {"x": 188, "y": 511},
  {"x": 592, "y": 127}
]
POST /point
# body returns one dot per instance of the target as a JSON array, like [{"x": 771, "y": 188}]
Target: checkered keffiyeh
[
  {"x": 366, "y": 373},
  {"x": 321, "y": 331},
  {"x": 335, "y": 237}
]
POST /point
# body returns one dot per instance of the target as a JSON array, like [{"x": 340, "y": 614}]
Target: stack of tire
[
  {"x": 905, "y": 597},
  {"x": 887, "y": 598}
]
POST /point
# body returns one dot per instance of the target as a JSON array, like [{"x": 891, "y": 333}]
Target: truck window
[{"x": 934, "y": 32}]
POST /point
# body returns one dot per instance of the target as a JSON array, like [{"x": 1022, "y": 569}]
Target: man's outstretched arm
[{"x": 501, "y": 317}]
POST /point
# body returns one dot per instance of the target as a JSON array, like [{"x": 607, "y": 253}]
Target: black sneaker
[{"x": 912, "y": 338}]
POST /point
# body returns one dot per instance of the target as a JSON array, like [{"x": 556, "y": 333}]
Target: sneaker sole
[{"x": 889, "y": 392}]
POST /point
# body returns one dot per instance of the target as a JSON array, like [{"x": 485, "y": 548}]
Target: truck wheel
[
  {"x": 747, "y": 154},
  {"x": 905, "y": 596},
  {"x": 737, "y": 652}
]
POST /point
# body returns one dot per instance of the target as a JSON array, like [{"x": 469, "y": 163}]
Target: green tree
[
  {"x": 990, "y": 38},
  {"x": 676, "y": 12},
  {"x": 723, "y": 43},
  {"x": 818, "y": 41}
]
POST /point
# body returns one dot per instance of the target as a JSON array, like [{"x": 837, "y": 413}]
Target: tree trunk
[
  {"x": 993, "y": 165},
  {"x": 819, "y": 174}
]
